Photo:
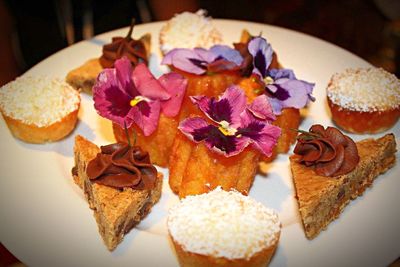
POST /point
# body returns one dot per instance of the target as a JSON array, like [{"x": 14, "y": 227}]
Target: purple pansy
[
  {"x": 200, "y": 61},
  {"x": 234, "y": 124},
  {"x": 127, "y": 96},
  {"x": 282, "y": 87}
]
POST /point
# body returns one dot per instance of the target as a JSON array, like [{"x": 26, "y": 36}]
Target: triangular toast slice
[
  {"x": 84, "y": 76},
  {"x": 321, "y": 199},
  {"x": 116, "y": 211}
]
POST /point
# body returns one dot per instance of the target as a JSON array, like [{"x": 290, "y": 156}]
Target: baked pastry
[
  {"x": 364, "y": 100},
  {"x": 210, "y": 151},
  {"x": 117, "y": 208},
  {"x": 137, "y": 51},
  {"x": 321, "y": 198},
  {"x": 189, "y": 30},
  {"x": 39, "y": 109},
  {"x": 222, "y": 228}
]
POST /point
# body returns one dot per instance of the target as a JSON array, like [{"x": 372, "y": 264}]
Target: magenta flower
[
  {"x": 234, "y": 124},
  {"x": 126, "y": 97},
  {"x": 200, "y": 61},
  {"x": 281, "y": 85}
]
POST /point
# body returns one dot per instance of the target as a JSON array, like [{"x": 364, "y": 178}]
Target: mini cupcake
[
  {"x": 39, "y": 109},
  {"x": 364, "y": 100},
  {"x": 189, "y": 30},
  {"x": 223, "y": 228}
]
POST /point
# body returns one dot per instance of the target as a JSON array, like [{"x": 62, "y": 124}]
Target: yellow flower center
[
  {"x": 225, "y": 129},
  {"x": 268, "y": 80},
  {"x": 138, "y": 99}
]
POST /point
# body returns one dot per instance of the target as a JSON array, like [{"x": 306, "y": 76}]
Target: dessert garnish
[
  {"x": 204, "y": 61},
  {"x": 233, "y": 124},
  {"x": 282, "y": 87},
  {"x": 127, "y": 96},
  {"x": 328, "y": 151},
  {"x": 120, "y": 165},
  {"x": 133, "y": 49}
]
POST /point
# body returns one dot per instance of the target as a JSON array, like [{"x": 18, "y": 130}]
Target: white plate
[{"x": 45, "y": 221}]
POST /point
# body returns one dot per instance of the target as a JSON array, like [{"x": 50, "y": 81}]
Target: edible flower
[
  {"x": 233, "y": 125},
  {"x": 201, "y": 61},
  {"x": 127, "y": 96},
  {"x": 281, "y": 85}
]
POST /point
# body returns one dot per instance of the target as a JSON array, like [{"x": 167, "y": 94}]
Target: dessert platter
[{"x": 219, "y": 193}]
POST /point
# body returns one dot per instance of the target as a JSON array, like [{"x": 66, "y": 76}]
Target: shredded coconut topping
[
  {"x": 38, "y": 100},
  {"x": 189, "y": 30},
  {"x": 366, "y": 90},
  {"x": 223, "y": 224}
]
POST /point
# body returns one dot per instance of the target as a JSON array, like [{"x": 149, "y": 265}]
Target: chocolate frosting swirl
[
  {"x": 329, "y": 151},
  {"x": 134, "y": 50},
  {"x": 120, "y": 165}
]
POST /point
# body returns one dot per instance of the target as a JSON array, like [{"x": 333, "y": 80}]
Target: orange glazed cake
[
  {"x": 39, "y": 109},
  {"x": 116, "y": 209},
  {"x": 223, "y": 228},
  {"x": 364, "y": 100},
  {"x": 321, "y": 198}
]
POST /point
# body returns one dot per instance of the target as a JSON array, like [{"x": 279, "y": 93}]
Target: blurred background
[{"x": 30, "y": 31}]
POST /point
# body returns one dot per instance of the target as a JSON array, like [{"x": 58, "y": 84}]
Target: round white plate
[{"x": 45, "y": 220}]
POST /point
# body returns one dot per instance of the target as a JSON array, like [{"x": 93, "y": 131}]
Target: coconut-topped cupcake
[
  {"x": 223, "y": 228},
  {"x": 189, "y": 30},
  {"x": 364, "y": 100},
  {"x": 39, "y": 109}
]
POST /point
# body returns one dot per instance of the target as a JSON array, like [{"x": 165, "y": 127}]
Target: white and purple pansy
[
  {"x": 233, "y": 124},
  {"x": 127, "y": 96},
  {"x": 281, "y": 85},
  {"x": 202, "y": 61}
]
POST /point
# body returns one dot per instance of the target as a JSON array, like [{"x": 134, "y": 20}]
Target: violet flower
[
  {"x": 281, "y": 85},
  {"x": 234, "y": 124},
  {"x": 200, "y": 61},
  {"x": 127, "y": 96}
]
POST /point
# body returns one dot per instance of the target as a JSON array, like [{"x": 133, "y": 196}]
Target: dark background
[{"x": 32, "y": 30}]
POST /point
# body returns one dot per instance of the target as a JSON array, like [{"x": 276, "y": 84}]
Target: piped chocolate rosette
[
  {"x": 137, "y": 51},
  {"x": 120, "y": 165},
  {"x": 328, "y": 151}
]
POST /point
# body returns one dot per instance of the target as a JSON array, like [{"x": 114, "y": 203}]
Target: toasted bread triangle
[
  {"x": 116, "y": 211},
  {"x": 321, "y": 199}
]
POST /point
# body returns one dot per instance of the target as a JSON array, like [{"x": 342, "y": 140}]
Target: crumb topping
[
  {"x": 223, "y": 224},
  {"x": 38, "y": 100},
  {"x": 366, "y": 90},
  {"x": 189, "y": 30}
]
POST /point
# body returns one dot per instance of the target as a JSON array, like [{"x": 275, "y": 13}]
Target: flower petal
[
  {"x": 228, "y": 53},
  {"x": 146, "y": 114},
  {"x": 110, "y": 100},
  {"x": 197, "y": 130},
  {"x": 261, "y": 108},
  {"x": 187, "y": 60},
  {"x": 262, "y": 52},
  {"x": 147, "y": 85},
  {"x": 281, "y": 73},
  {"x": 123, "y": 71},
  {"x": 175, "y": 84},
  {"x": 290, "y": 93},
  {"x": 262, "y": 135},
  {"x": 227, "y": 108}
]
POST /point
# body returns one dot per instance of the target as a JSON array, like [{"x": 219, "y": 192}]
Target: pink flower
[
  {"x": 126, "y": 97},
  {"x": 234, "y": 124}
]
